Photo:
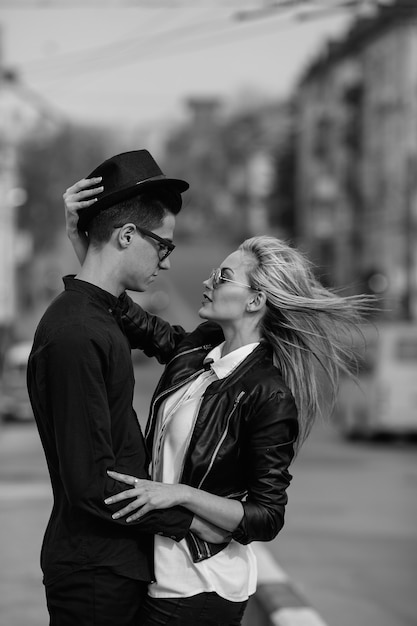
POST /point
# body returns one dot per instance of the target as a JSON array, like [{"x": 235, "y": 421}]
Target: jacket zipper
[
  {"x": 205, "y": 347},
  {"x": 197, "y": 542},
  {"x": 222, "y": 438},
  {"x": 166, "y": 392},
  {"x": 237, "y": 494},
  {"x": 177, "y": 386}
]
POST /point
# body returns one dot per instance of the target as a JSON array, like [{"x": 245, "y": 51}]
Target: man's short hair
[{"x": 147, "y": 210}]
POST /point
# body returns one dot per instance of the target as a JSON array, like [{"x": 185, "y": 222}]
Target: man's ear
[
  {"x": 125, "y": 235},
  {"x": 256, "y": 302}
]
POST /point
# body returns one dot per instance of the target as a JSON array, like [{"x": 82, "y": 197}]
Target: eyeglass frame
[
  {"x": 163, "y": 243},
  {"x": 217, "y": 279}
]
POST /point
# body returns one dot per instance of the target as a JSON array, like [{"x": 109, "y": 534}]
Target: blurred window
[{"x": 406, "y": 350}]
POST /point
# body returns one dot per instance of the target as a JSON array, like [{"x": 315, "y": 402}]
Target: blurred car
[
  {"x": 382, "y": 402},
  {"x": 14, "y": 399}
]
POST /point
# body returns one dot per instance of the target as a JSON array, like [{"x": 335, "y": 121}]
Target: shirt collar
[
  {"x": 104, "y": 297},
  {"x": 223, "y": 366}
]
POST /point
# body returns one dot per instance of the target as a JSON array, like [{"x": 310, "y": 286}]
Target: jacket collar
[
  {"x": 222, "y": 366},
  {"x": 260, "y": 353}
]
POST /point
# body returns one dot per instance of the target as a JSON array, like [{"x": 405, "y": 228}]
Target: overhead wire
[
  {"x": 144, "y": 34},
  {"x": 164, "y": 34},
  {"x": 168, "y": 38},
  {"x": 119, "y": 4},
  {"x": 121, "y": 50},
  {"x": 309, "y": 8},
  {"x": 155, "y": 45}
]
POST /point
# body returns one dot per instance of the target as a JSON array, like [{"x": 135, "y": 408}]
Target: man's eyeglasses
[
  {"x": 165, "y": 246},
  {"x": 217, "y": 278}
]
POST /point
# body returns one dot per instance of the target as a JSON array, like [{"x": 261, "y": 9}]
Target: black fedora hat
[{"x": 127, "y": 175}]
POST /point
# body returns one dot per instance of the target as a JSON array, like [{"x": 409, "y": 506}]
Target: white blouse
[{"x": 231, "y": 573}]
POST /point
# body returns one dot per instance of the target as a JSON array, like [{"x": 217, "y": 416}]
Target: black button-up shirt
[{"x": 81, "y": 382}]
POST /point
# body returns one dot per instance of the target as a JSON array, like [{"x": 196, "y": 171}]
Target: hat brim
[{"x": 110, "y": 199}]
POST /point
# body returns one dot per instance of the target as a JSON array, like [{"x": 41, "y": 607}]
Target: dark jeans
[
  {"x": 204, "y": 609},
  {"x": 96, "y": 597}
]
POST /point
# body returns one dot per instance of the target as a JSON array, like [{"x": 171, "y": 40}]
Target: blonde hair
[{"x": 308, "y": 326}]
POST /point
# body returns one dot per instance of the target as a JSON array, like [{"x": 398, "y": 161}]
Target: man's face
[{"x": 145, "y": 256}]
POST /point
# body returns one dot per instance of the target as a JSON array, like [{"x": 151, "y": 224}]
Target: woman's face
[{"x": 225, "y": 301}]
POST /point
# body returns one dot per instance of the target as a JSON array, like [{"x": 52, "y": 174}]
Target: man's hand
[{"x": 209, "y": 532}]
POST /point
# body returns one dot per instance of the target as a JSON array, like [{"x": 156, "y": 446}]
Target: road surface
[{"x": 349, "y": 544}]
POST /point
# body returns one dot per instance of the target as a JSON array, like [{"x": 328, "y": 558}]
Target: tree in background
[
  {"x": 281, "y": 201},
  {"x": 215, "y": 152},
  {"x": 47, "y": 169},
  {"x": 195, "y": 151}
]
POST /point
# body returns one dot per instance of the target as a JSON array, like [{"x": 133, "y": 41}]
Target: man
[{"x": 80, "y": 382}]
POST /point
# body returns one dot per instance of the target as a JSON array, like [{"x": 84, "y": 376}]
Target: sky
[{"x": 138, "y": 65}]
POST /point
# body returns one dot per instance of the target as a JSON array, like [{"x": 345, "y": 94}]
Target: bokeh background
[{"x": 296, "y": 118}]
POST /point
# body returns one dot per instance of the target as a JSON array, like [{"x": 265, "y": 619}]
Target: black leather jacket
[{"x": 244, "y": 435}]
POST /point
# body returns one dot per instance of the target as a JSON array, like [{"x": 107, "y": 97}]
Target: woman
[{"x": 238, "y": 395}]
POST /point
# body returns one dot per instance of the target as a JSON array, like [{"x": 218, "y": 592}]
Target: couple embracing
[{"x": 155, "y": 529}]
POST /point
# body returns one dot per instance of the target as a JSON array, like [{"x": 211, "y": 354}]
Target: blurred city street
[
  {"x": 349, "y": 544},
  {"x": 295, "y": 119}
]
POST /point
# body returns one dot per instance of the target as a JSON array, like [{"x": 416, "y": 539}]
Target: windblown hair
[
  {"x": 309, "y": 327},
  {"x": 147, "y": 210}
]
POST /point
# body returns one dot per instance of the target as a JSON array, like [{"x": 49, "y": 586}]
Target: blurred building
[
  {"x": 229, "y": 156},
  {"x": 21, "y": 116},
  {"x": 356, "y": 109}
]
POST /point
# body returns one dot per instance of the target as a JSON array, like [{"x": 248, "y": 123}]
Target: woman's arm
[
  {"x": 271, "y": 436},
  {"x": 150, "y": 333},
  {"x": 149, "y": 495},
  {"x": 79, "y": 196}
]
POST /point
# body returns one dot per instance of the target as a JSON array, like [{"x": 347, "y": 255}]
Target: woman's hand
[
  {"x": 79, "y": 196},
  {"x": 152, "y": 495},
  {"x": 222, "y": 512},
  {"x": 148, "y": 494}
]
